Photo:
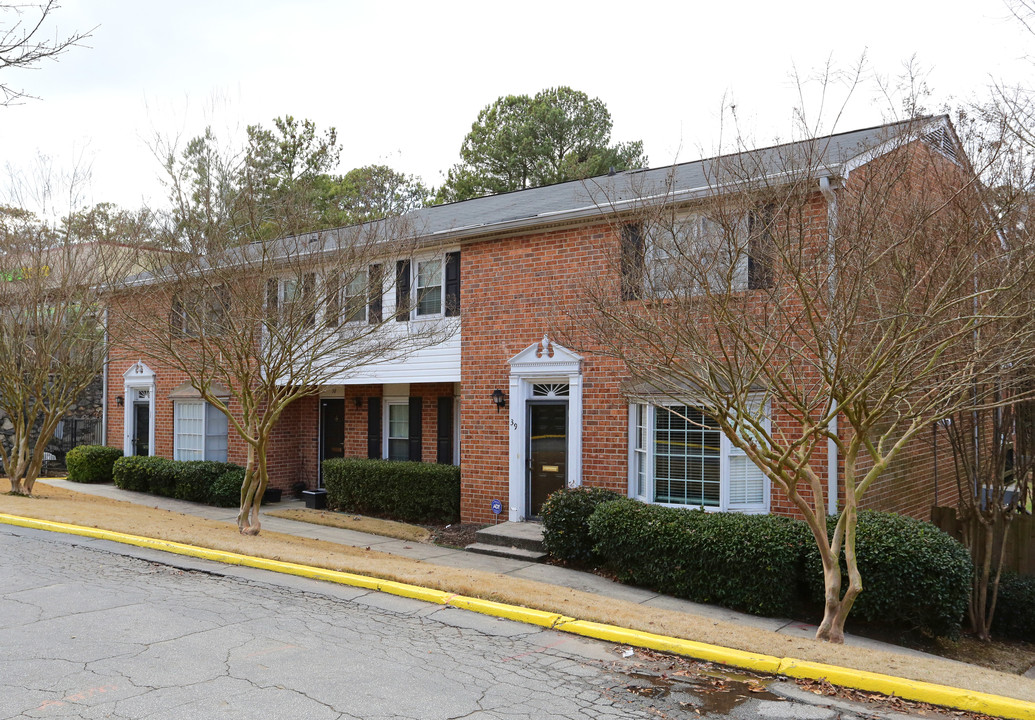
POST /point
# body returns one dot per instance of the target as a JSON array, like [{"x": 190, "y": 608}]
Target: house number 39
[{"x": 513, "y": 423}]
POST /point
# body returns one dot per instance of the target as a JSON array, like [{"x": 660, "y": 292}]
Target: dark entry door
[
  {"x": 332, "y": 431},
  {"x": 547, "y": 452},
  {"x": 142, "y": 428}
]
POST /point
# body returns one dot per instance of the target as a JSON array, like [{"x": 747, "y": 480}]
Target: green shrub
[
  {"x": 410, "y": 491},
  {"x": 913, "y": 574},
  {"x": 91, "y": 463},
  {"x": 194, "y": 478},
  {"x": 744, "y": 562},
  {"x": 145, "y": 474},
  {"x": 1015, "y": 608},
  {"x": 226, "y": 489},
  {"x": 565, "y": 517}
]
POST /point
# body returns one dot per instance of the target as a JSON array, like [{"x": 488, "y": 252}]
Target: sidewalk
[{"x": 435, "y": 555}]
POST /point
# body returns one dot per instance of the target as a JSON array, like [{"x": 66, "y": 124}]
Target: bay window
[{"x": 679, "y": 457}]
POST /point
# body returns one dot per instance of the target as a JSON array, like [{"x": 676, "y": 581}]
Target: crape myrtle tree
[
  {"x": 25, "y": 43},
  {"x": 52, "y": 339},
  {"x": 520, "y": 142},
  {"x": 852, "y": 310},
  {"x": 274, "y": 309}
]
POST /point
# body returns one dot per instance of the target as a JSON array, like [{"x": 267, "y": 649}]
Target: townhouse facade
[{"x": 520, "y": 412}]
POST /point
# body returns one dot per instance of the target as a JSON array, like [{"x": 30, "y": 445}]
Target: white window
[
  {"x": 347, "y": 301},
  {"x": 199, "y": 431},
  {"x": 689, "y": 253},
  {"x": 429, "y": 287},
  {"x": 679, "y": 457},
  {"x": 398, "y": 431}
]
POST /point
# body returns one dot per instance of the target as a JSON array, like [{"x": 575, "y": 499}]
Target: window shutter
[
  {"x": 334, "y": 291},
  {"x": 760, "y": 248},
  {"x": 452, "y": 284},
  {"x": 402, "y": 290},
  {"x": 176, "y": 316},
  {"x": 309, "y": 299},
  {"x": 632, "y": 261},
  {"x": 373, "y": 428},
  {"x": 445, "y": 431},
  {"x": 376, "y": 294},
  {"x": 416, "y": 408},
  {"x": 272, "y": 299}
]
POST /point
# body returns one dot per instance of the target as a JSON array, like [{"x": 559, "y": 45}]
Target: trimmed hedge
[
  {"x": 91, "y": 463},
  {"x": 749, "y": 563},
  {"x": 914, "y": 575},
  {"x": 1015, "y": 608},
  {"x": 226, "y": 489},
  {"x": 144, "y": 474},
  {"x": 410, "y": 491},
  {"x": 565, "y": 516},
  {"x": 194, "y": 478}
]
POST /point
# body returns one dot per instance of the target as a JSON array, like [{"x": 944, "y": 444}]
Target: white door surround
[
  {"x": 541, "y": 362},
  {"x": 139, "y": 386}
]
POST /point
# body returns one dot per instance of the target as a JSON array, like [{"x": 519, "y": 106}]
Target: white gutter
[
  {"x": 828, "y": 192},
  {"x": 104, "y": 385}
]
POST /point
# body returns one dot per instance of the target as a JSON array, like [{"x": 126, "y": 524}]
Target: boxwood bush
[
  {"x": 91, "y": 463},
  {"x": 194, "y": 478},
  {"x": 144, "y": 474},
  {"x": 914, "y": 575},
  {"x": 749, "y": 563},
  {"x": 226, "y": 489},
  {"x": 410, "y": 491},
  {"x": 1015, "y": 608},
  {"x": 565, "y": 516}
]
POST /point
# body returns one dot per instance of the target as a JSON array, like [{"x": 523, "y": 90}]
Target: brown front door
[{"x": 547, "y": 452}]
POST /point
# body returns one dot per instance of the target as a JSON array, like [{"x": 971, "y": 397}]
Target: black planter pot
[
  {"x": 272, "y": 495},
  {"x": 315, "y": 499}
]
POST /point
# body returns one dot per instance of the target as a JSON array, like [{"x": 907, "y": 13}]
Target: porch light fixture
[
  {"x": 499, "y": 399},
  {"x": 119, "y": 401},
  {"x": 359, "y": 402}
]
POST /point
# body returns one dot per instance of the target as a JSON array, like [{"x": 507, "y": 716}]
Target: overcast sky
[{"x": 402, "y": 82}]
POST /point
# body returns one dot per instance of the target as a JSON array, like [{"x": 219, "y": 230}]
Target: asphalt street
[{"x": 91, "y": 629}]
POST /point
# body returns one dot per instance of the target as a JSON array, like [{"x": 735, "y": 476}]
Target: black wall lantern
[
  {"x": 499, "y": 399},
  {"x": 119, "y": 401}
]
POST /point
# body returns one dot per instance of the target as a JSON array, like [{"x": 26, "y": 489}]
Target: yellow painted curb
[
  {"x": 664, "y": 643},
  {"x": 858, "y": 679},
  {"x": 911, "y": 689}
]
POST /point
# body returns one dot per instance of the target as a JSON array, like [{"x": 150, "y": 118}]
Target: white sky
[{"x": 402, "y": 82}]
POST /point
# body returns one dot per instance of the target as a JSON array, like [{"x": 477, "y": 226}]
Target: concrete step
[
  {"x": 514, "y": 553},
  {"x": 525, "y": 535}
]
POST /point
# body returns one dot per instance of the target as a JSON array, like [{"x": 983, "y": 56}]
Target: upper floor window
[
  {"x": 427, "y": 287},
  {"x": 692, "y": 253},
  {"x": 292, "y": 300},
  {"x": 194, "y": 315}
]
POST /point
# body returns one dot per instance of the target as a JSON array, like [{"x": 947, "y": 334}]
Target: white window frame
[
  {"x": 416, "y": 290},
  {"x": 191, "y": 453},
  {"x": 386, "y": 423},
  {"x": 656, "y": 255},
  {"x": 641, "y": 470},
  {"x": 342, "y": 292}
]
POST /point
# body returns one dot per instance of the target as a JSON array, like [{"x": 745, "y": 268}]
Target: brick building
[{"x": 518, "y": 411}]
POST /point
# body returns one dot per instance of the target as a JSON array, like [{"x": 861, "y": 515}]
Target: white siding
[{"x": 437, "y": 363}]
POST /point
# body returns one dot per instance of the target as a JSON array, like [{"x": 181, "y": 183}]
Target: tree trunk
[{"x": 255, "y": 480}]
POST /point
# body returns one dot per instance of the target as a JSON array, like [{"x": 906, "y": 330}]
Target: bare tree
[
  {"x": 52, "y": 340},
  {"x": 22, "y": 44},
  {"x": 256, "y": 324},
  {"x": 805, "y": 302}
]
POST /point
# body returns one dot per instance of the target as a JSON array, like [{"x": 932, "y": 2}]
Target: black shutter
[
  {"x": 309, "y": 299},
  {"x": 416, "y": 406},
  {"x": 760, "y": 248},
  {"x": 272, "y": 298},
  {"x": 373, "y": 428},
  {"x": 452, "y": 284},
  {"x": 632, "y": 261},
  {"x": 177, "y": 316},
  {"x": 402, "y": 290},
  {"x": 445, "y": 431},
  {"x": 376, "y": 293}
]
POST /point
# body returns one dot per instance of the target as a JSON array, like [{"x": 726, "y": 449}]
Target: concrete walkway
[{"x": 435, "y": 555}]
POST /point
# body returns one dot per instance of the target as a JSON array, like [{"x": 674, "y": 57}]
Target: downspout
[
  {"x": 827, "y": 189},
  {"x": 104, "y": 385}
]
